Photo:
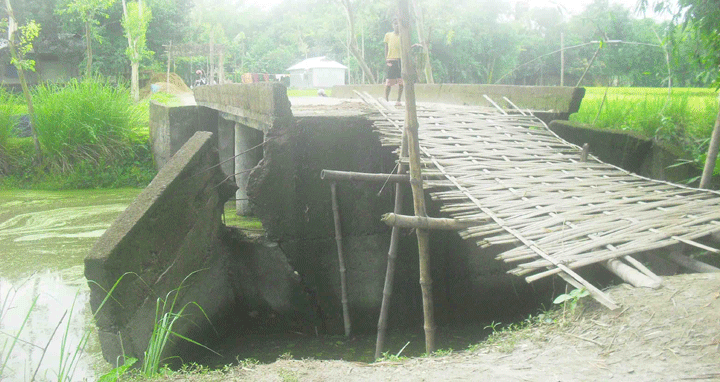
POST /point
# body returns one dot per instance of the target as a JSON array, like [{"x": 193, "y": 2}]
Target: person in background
[{"x": 393, "y": 73}]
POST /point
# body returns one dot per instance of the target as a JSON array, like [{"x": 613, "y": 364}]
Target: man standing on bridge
[{"x": 393, "y": 73}]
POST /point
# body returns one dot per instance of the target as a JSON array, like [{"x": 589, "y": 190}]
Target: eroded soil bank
[{"x": 668, "y": 334}]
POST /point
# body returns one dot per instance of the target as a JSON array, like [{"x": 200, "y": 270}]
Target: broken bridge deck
[{"x": 534, "y": 191}]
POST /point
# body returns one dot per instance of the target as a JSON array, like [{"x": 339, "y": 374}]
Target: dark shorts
[{"x": 392, "y": 72}]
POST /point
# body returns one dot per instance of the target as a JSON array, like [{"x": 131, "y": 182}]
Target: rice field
[{"x": 683, "y": 113}]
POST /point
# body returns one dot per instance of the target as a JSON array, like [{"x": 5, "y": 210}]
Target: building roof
[{"x": 317, "y": 62}]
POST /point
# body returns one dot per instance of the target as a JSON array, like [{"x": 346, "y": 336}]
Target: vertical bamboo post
[
  {"x": 411, "y": 125},
  {"x": 712, "y": 154},
  {"x": 392, "y": 257},
  {"x": 341, "y": 259}
]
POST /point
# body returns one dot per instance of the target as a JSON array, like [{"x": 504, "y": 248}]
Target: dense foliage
[
  {"x": 92, "y": 135},
  {"x": 482, "y": 42}
]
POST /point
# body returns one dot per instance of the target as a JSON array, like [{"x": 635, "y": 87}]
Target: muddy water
[{"x": 44, "y": 237}]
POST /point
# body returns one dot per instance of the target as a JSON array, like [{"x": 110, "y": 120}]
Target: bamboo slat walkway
[{"x": 534, "y": 191}]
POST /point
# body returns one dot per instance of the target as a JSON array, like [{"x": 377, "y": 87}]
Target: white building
[{"x": 317, "y": 72}]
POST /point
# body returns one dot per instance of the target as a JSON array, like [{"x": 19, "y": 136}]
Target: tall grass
[
  {"x": 70, "y": 354},
  {"x": 683, "y": 119},
  {"x": 91, "y": 120},
  {"x": 8, "y": 106},
  {"x": 650, "y": 112},
  {"x": 166, "y": 316}
]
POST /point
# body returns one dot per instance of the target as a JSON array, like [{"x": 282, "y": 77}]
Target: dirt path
[{"x": 670, "y": 334}]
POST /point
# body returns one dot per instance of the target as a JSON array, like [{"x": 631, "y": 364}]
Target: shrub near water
[
  {"x": 85, "y": 121},
  {"x": 8, "y": 105},
  {"x": 91, "y": 134}
]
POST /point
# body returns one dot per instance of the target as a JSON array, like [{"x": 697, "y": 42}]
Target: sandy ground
[{"x": 669, "y": 334}]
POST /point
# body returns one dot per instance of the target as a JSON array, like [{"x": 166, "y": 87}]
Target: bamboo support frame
[
  {"x": 563, "y": 206},
  {"x": 416, "y": 181},
  {"x": 630, "y": 275},
  {"x": 417, "y": 222},
  {"x": 341, "y": 259},
  {"x": 364, "y": 177},
  {"x": 692, "y": 264},
  {"x": 392, "y": 258}
]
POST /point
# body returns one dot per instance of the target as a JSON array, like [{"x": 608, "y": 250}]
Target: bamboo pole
[
  {"x": 712, "y": 155},
  {"x": 390, "y": 271},
  {"x": 404, "y": 221},
  {"x": 392, "y": 258},
  {"x": 341, "y": 259},
  {"x": 692, "y": 264},
  {"x": 630, "y": 275},
  {"x": 416, "y": 181},
  {"x": 361, "y": 176}
]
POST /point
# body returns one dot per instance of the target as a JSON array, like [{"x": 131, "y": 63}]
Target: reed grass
[
  {"x": 70, "y": 354},
  {"x": 166, "y": 316},
  {"x": 651, "y": 112},
  {"x": 90, "y": 120},
  {"x": 683, "y": 119},
  {"x": 8, "y": 107}
]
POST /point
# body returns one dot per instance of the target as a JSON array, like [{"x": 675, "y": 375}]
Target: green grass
[
  {"x": 92, "y": 120},
  {"x": 91, "y": 133},
  {"x": 8, "y": 108},
  {"x": 166, "y": 99},
  {"x": 242, "y": 222},
  {"x": 650, "y": 112},
  {"x": 167, "y": 314},
  {"x": 684, "y": 119},
  {"x": 70, "y": 353}
]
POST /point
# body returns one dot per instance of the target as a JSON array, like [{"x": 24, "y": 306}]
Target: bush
[
  {"x": 92, "y": 136},
  {"x": 92, "y": 121},
  {"x": 8, "y": 105}
]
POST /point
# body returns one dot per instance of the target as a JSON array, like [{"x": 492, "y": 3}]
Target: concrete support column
[
  {"x": 226, "y": 146},
  {"x": 245, "y": 139}
]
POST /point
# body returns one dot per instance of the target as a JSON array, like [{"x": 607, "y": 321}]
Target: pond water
[{"x": 44, "y": 237}]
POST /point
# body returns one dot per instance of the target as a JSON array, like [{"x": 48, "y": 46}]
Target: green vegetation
[
  {"x": 682, "y": 120},
  {"x": 570, "y": 300},
  {"x": 91, "y": 133},
  {"x": 8, "y": 109},
  {"x": 504, "y": 338},
  {"x": 167, "y": 315},
  {"x": 70, "y": 353},
  {"x": 243, "y": 222}
]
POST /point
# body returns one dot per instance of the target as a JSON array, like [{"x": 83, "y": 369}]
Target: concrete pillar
[
  {"x": 245, "y": 139},
  {"x": 226, "y": 146}
]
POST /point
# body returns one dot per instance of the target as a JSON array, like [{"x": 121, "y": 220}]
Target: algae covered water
[{"x": 44, "y": 237}]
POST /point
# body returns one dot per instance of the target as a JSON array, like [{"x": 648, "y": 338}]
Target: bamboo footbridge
[{"x": 562, "y": 208}]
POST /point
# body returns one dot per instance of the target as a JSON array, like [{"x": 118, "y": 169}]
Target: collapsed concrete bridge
[{"x": 289, "y": 278}]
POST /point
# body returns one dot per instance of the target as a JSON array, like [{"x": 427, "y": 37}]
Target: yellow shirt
[{"x": 393, "y": 43}]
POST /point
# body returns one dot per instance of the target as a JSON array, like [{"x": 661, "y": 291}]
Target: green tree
[
  {"x": 701, "y": 19},
  {"x": 88, "y": 11},
  {"x": 136, "y": 17}
]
